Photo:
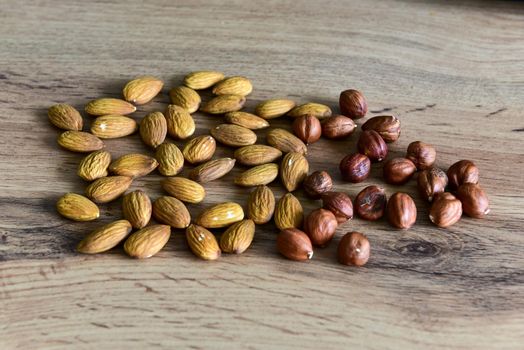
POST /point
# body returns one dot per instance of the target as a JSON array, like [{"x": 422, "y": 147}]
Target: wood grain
[{"x": 454, "y": 74}]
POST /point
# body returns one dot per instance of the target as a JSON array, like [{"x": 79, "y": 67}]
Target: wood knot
[{"x": 418, "y": 249}]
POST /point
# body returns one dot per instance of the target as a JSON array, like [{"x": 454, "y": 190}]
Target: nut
[
  {"x": 220, "y": 215},
  {"x": 233, "y": 86},
  {"x": 353, "y": 104},
  {"x": 170, "y": 159},
  {"x": 261, "y": 205},
  {"x": 370, "y": 203},
  {"x": 355, "y": 167},
  {"x": 137, "y": 209},
  {"x": 421, "y": 154},
  {"x": 474, "y": 200},
  {"x": 463, "y": 171},
  {"x": 202, "y": 79},
  {"x": 212, "y": 170},
  {"x": 445, "y": 210},
  {"x": 320, "y": 226},
  {"x": 133, "y": 165},
  {"x": 109, "y": 106},
  {"x": 153, "y": 129},
  {"x": 65, "y": 117},
  {"x": 199, "y": 149},
  {"x": 285, "y": 141},
  {"x": 317, "y": 183},
  {"x": 387, "y": 126},
  {"x": 94, "y": 165},
  {"x": 431, "y": 182},
  {"x": 294, "y": 245},
  {"x": 307, "y": 128},
  {"x": 170, "y": 211},
  {"x": 233, "y": 135},
  {"x": 315, "y": 109},
  {"x": 339, "y": 204},
  {"x": 77, "y": 207},
  {"x": 247, "y": 120},
  {"x": 274, "y": 108},
  {"x": 371, "y": 144},
  {"x": 238, "y": 237},
  {"x": 186, "y": 98},
  {"x": 259, "y": 175},
  {"x": 113, "y": 126},
  {"x": 257, "y": 154},
  {"x": 398, "y": 171},
  {"x": 353, "y": 249},
  {"x": 107, "y": 189},
  {"x": 104, "y": 238},
  {"x": 202, "y": 243},
  {"x": 288, "y": 212},
  {"x": 293, "y": 170},
  {"x": 184, "y": 189},
  {"x": 223, "y": 104},
  {"x": 337, "y": 127},
  {"x": 79, "y": 141},
  {"x": 401, "y": 210},
  {"x": 142, "y": 90},
  {"x": 147, "y": 242},
  {"x": 180, "y": 124}
]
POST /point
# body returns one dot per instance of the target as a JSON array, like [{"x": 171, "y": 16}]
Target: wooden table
[{"x": 453, "y": 73}]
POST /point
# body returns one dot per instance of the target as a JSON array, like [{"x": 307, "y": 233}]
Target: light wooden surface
[{"x": 452, "y": 71}]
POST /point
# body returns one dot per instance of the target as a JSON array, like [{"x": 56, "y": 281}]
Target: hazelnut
[
  {"x": 307, "y": 128},
  {"x": 445, "y": 210},
  {"x": 337, "y": 127},
  {"x": 474, "y": 200},
  {"x": 294, "y": 244},
  {"x": 398, "y": 171},
  {"x": 372, "y": 145},
  {"x": 353, "y": 249},
  {"x": 370, "y": 203},
  {"x": 463, "y": 171},
  {"x": 387, "y": 126},
  {"x": 401, "y": 210},
  {"x": 317, "y": 183},
  {"x": 320, "y": 225},
  {"x": 430, "y": 182},
  {"x": 422, "y": 154},
  {"x": 355, "y": 167},
  {"x": 353, "y": 104},
  {"x": 339, "y": 204}
]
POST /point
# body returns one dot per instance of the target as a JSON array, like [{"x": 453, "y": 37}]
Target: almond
[
  {"x": 285, "y": 141},
  {"x": 315, "y": 109},
  {"x": 293, "y": 170},
  {"x": 233, "y": 135},
  {"x": 133, "y": 165},
  {"x": 212, "y": 170},
  {"x": 153, "y": 129},
  {"x": 170, "y": 159},
  {"x": 107, "y": 106},
  {"x": 113, "y": 126},
  {"x": 108, "y": 188},
  {"x": 137, "y": 209},
  {"x": 142, "y": 90},
  {"x": 202, "y": 79},
  {"x": 261, "y": 205},
  {"x": 186, "y": 98},
  {"x": 79, "y": 141},
  {"x": 247, "y": 120},
  {"x": 202, "y": 243},
  {"x": 259, "y": 175},
  {"x": 65, "y": 117},
  {"x": 184, "y": 189},
  {"x": 288, "y": 212},
  {"x": 180, "y": 124},
  {"x": 104, "y": 238},
  {"x": 274, "y": 108},
  {"x": 257, "y": 154},
  {"x": 238, "y": 237},
  {"x": 233, "y": 86},
  {"x": 148, "y": 241},
  {"x": 224, "y": 104},
  {"x": 199, "y": 149},
  {"x": 77, "y": 207},
  {"x": 220, "y": 215},
  {"x": 94, "y": 165},
  {"x": 171, "y": 211}
]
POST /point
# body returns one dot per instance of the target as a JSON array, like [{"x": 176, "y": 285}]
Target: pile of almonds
[{"x": 298, "y": 234}]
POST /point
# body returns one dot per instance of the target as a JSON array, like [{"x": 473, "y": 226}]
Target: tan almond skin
[
  {"x": 259, "y": 175},
  {"x": 247, "y": 120},
  {"x": 236, "y": 85},
  {"x": 202, "y": 243},
  {"x": 220, "y": 215},
  {"x": 238, "y": 237},
  {"x": 233, "y": 135},
  {"x": 109, "y": 106},
  {"x": 133, "y": 165},
  {"x": 202, "y": 79},
  {"x": 223, "y": 104},
  {"x": 288, "y": 212},
  {"x": 104, "y": 238},
  {"x": 261, "y": 205},
  {"x": 113, "y": 126},
  {"x": 79, "y": 141},
  {"x": 186, "y": 98},
  {"x": 77, "y": 207},
  {"x": 171, "y": 211},
  {"x": 285, "y": 141},
  {"x": 107, "y": 189},
  {"x": 212, "y": 170},
  {"x": 180, "y": 124},
  {"x": 315, "y": 109},
  {"x": 257, "y": 154},
  {"x": 293, "y": 170},
  {"x": 170, "y": 159},
  {"x": 142, "y": 90},
  {"x": 147, "y": 242},
  {"x": 153, "y": 129},
  {"x": 184, "y": 189},
  {"x": 274, "y": 108},
  {"x": 65, "y": 117},
  {"x": 199, "y": 149},
  {"x": 94, "y": 165},
  {"x": 137, "y": 208}
]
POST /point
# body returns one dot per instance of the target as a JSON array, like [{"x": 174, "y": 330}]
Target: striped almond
[
  {"x": 274, "y": 108},
  {"x": 202, "y": 242},
  {"x": 147, "y": 242},
  {"x": 261, "y": 205},
  {"x": 65, "y": 117},
  {"x": 293, "y": 170},
  {"x": 77, "y": 207},
  {"x": 259, "y": 175},
  {"x": 170, "y": 211},
  {"x": 186, "y": 98},
  {"x": 79, "y": 141},
  {"x": 212, "y": 170},
  {"x": 170, "y": 159},
  {"x": 238, "y": 237},
  {"x": 202, "y": 79},
  {"x": 257, "y": 154},
  {"x": 104, "y": 238},
  {"x": 109, "y": 106},
  {"x": 288, "y": 212},
  {"x": 233, "y": 135},
  {"x": 133, "y": 165},
  {"x": 137, "y": 209},
  {"x": 247, "y": 120},
  {"x": 153, "y": 129},
  {"x": 180, "y": 124},
  {"x": 220, "y": 215},
  {"x": 142, "y": 90},
  {"x": 94, "y": 165},
  {"x": 285, "y": 141},
  {"x": 107, "y": 189},
  {"x": 224, "y": 104},
  {"x": 236, "y": 85},
  {"x": 113, "y": 126},
  {"x": 199, "y": 149},
  {"x": 184, "y": 189},
  {"x": 315, "y": 109}
]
